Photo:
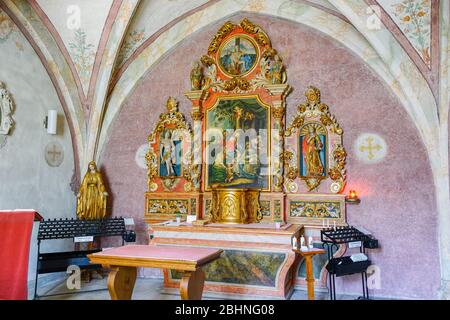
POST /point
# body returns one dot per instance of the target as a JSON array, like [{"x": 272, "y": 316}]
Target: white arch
[
  {"x": 59, "y": 68},
  {"x": 118, "y": 32}
]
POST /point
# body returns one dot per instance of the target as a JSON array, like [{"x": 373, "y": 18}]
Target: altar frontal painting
[{"x": 238, "y": 144}]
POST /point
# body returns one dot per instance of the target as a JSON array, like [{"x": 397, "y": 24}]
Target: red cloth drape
[{"x": 15, "y": 234}]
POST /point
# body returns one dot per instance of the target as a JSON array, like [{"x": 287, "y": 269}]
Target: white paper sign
[
  {"x": 129, "y": 221},
  {"x": 190, "y": 218},
  {"x": 355, "y": 244},
  {"x": 83, "y": 239}
]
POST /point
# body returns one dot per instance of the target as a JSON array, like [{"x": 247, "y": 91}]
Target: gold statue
[
  {"x": 172, "y": 105},
  {"x": 277, "y": 71},
  {"x": 91, "y": 200},
  {"x": 197, "y": 76}
]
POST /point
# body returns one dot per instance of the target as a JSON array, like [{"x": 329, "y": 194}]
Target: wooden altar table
[
  {"x": 255, "y": 261},
  {"x": 123, "y": 262}
]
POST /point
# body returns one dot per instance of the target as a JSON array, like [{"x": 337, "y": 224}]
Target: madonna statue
[{"x": 91, "y": 200}]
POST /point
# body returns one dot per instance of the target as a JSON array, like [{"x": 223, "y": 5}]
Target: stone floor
[{"x": 145, "y": 289}]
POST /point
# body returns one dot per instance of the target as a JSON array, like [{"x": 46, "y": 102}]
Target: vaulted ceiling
[{"x": 96, "y": 51}]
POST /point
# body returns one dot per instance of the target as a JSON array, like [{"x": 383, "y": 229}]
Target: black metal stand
[
  {"x": 337, "y": 267},
  {"x": 71, "y": 228}
]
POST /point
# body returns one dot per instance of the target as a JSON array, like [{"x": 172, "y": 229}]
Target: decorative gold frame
[
  {"x": 312, "y": 111},
  {"x": 314, "y": 199},
  {"x": 226, "y": 42},
  {"x": 175, "y": 120}
]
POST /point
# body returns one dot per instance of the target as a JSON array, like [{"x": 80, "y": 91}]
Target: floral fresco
[
  {"x": 83, "y": 55},
  {"x": 9, "y": 31},
  {"x": 133, "y": 40},
  {"x": 414, "y": 18},
  {"x": 7, "y": 27}
]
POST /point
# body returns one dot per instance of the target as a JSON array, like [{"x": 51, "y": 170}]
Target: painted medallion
[{"x": 238, "y": 56}]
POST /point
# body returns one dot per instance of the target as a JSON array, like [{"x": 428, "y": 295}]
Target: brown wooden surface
[
  {"x": 121, "y": 282},
  {"x": 309, "y": 268},
  {"x": 191, "y": 285},
  {"x": 122, "y": 277}
]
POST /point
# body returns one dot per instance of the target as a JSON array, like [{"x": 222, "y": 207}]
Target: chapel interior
[{"x": 223, "y": 149}]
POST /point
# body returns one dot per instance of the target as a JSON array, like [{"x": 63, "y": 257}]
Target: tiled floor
[{"x": 145, "y": 289}]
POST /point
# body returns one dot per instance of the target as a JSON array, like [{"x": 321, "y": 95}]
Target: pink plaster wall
[{"x": 398, "y": 202}]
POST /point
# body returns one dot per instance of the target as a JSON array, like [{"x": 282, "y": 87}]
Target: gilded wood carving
[
  {"x": 319, "y": 153},
  {"x": 238, "y": 91},
  {"x": 169, "y": 155}
]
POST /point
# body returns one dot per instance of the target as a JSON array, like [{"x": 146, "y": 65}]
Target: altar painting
[{"x": 238, "y": 144}]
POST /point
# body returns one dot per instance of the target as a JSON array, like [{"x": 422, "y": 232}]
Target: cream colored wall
[{"x": 26, "y": 180}]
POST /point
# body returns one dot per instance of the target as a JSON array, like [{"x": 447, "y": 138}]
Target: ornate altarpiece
[{"x": 241, "y": 85}]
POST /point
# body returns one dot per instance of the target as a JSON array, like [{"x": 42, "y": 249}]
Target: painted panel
[
  {"x": 243, "y": 267},
  {"x": 234, "y": 167}
]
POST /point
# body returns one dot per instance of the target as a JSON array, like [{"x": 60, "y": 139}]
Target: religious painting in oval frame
[{"x": 238, "y": 56}]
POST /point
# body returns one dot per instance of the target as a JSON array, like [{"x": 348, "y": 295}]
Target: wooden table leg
[
  {"x": 121, "y": 282},
  {"x": 309, "y": 277},
  {"x": 191, "y": 285}
]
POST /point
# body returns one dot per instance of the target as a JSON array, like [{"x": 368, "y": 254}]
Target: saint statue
[
  {"x": 197, "y": 76},
  {"x": 312, "y": 146},
  {"x": 6, "y": 109},
  {"x": 168, "y": 154},
  {"x": 211, "y": 72},
  {"x": 277, "y": 70},
  {"x": 91, "y": 200}
]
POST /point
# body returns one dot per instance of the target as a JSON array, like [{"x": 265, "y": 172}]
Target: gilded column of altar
[
  {"x": 197, "y": 97},
  {"x": 278, "y": 110}
]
